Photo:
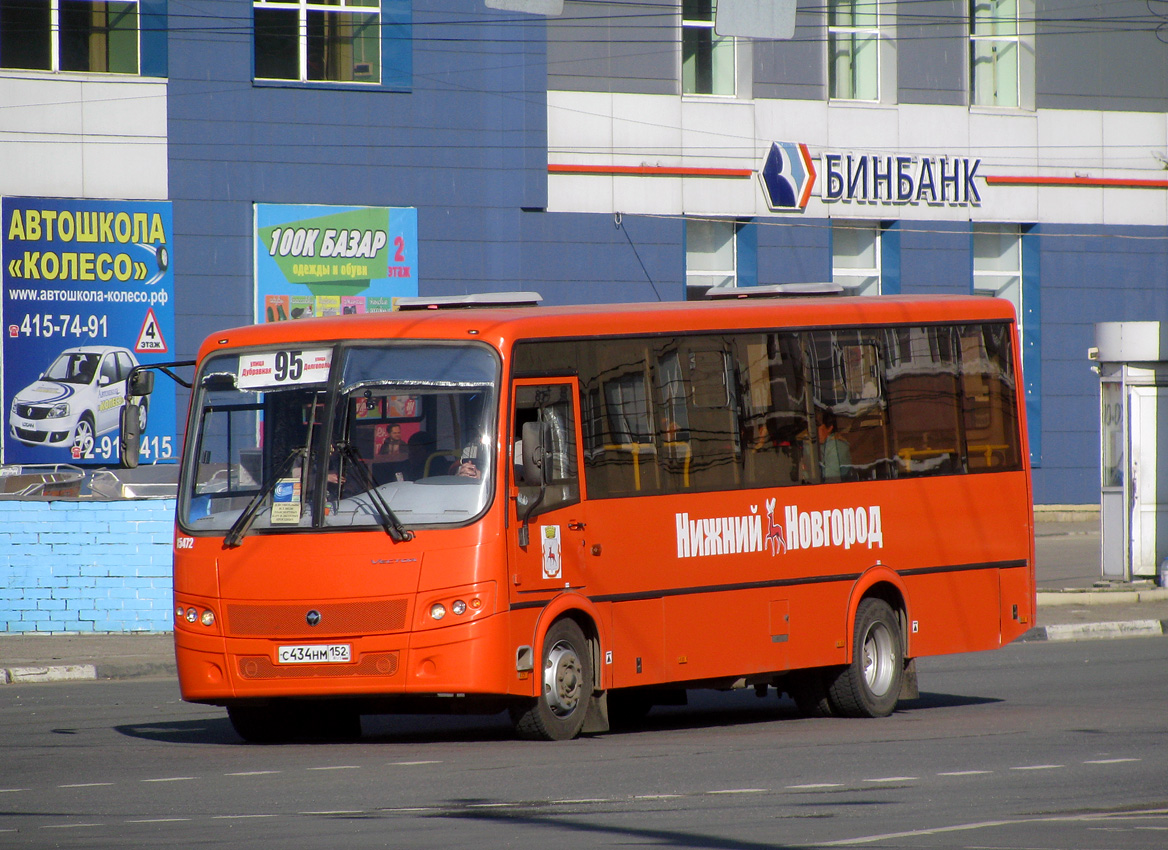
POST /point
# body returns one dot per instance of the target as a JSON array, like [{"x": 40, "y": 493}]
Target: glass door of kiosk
[{"x": 1113, "y": 466}]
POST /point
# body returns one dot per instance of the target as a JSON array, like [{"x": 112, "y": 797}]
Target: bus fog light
[
  {"x": 459, "y": 607},
  {"x": 437, "y": 610},
  {"x": 208, "y": 618},
  {"x": 192, "y": 615}
]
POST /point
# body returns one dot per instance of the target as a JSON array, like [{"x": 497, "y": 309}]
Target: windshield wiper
[
  {"x": 389, "y": 521},
  {"x": 240, "y": 527}
]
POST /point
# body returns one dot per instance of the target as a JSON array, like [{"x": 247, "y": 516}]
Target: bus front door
[{"x": 548, "y": 531}]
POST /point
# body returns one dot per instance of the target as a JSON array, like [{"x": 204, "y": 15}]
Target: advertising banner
[
  {"x": 88, "y": 295},
  {"x": 331, "y": 261}
]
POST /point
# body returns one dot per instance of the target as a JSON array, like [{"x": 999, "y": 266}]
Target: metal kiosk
[{"x": 1133, "y": 426}]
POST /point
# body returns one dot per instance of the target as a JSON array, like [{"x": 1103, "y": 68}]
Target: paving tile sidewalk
[{"x": 1070, "y": 606}]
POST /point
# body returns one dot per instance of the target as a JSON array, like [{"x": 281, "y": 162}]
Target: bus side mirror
[
  {"x": 131, "y": 435},
  {"x": 537, "y": 438},
  {"x": 141, "y": 383},
  {"x": 536, "y": 445}
]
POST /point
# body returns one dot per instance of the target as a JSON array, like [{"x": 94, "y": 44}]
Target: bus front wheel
[
  {"x": 566, "y": 680},
  {"x": 870, "y": 685}
]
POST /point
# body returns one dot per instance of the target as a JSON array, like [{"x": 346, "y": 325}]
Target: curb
[
  {"x": 1092, "y": 631},
  {"x": 53, "y": 673},
  {"x": 35, "y": 674},
  {"x": 1075, "y": 596}
]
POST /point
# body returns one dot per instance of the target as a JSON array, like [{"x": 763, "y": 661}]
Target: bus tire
[
  {"x": 870, "y": 685},
  {"x": 558, "y": 713},
  {"x": 808, "y": 688}
]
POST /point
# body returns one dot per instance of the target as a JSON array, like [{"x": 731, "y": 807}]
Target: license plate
[{"x": 331, "y": 653}]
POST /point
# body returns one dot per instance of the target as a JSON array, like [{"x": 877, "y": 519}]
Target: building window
[
  {"x": 336, "y": 42},
  {"x": 69, "y": 35},
  {"x": 855, "y": 256},
  {"x": 997, "y": 263},
  {"x": 710, "y": 256},
  {"x": 994, "y": 53},
  {"x": 853, "y": 45},
  {"x": 707, "y": 59}
]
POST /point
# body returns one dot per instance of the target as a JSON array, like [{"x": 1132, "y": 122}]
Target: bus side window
[
  {"x": 772, "y": 411},
  {"x": 988, "y": 398},
  {"x": 921, "y": 376}
]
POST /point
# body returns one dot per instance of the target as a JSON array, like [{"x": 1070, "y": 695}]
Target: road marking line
[
  {"x": 71, "y": 825},
  {"x": 491, "y": 805},
  {"x": 159, "y": 820},
  {"x": 12, "y": 790},
  {"x": 740, "y": 791},
  {"x": 253, "y": 773},
  {"x": 579, "y": 801},
  {"x": 413, "y": 763},
  {"x": 1110, "y": 761},
  {"x": 893, "y": 779},
  {"x": 965, "y": 773},
  {"x": 1039, "y": 767},
  {"x": 171, "y": 779},
  {"x": 1099, "y": 818},
  {"x": 86, "y": 785},
  {"x": 656, "y": 796},
  {"x": 337, "y": 767},
  {"x": 239, "y": 817},
  {"x": 331, "y": 812},
  {"x": 871, "y": 839},
  {"x": 814, "y": 786}
]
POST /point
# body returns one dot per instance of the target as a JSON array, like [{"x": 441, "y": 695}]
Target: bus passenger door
[{"x": 550, "y": 553}]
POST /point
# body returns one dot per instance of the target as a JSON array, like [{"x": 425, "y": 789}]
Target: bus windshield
[{"x": 395, "y": 435}]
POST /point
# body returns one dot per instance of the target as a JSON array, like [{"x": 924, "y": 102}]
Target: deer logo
[{"x": 774, "y": 536}]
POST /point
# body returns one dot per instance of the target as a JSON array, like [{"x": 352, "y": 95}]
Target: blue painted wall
[{"x": 86, "y": 566}]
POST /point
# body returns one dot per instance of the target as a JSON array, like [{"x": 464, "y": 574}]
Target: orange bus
[{"x": 575, "y": 513}]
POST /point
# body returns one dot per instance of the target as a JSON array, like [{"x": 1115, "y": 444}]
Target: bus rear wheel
[
  {"x": 566, "y": 679},
  {"x": 870, "y": 685}
]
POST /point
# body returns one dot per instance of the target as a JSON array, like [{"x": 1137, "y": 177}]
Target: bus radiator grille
[
  {"x": 336, "y": 618},
  {"x": 372, "y": 664}
]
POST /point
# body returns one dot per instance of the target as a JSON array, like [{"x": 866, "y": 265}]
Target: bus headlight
[
  {"x": 459, "y": 607},
  {"x": 208, "y": 618},
  {"x": 437, "y": 611}
]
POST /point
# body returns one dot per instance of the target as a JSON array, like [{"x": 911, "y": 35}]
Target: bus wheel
[
  {"x": 557, "y": 714},
  {"x": 870, "y": 685},
  {"x": 808, "y": 688}
]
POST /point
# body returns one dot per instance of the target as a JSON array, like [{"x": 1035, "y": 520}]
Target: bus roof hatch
[{"x": 480, "y": 299}]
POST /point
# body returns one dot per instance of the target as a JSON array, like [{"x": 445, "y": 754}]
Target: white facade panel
[
  {"x": 80, "y": 138},
  {"x": 1028, "y": 148},
  {"x": 647, "y": 132},
  {"x": 1070, "y": 140}
]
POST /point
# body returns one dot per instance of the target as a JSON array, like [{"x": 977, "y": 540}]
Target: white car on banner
[{"x": 78, "y": 398}]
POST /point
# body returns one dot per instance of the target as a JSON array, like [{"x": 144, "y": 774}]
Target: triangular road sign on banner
[{"x": 150, "y": 337}]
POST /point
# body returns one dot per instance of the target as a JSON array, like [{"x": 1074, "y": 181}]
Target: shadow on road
[{"x": 707, "y": 710}]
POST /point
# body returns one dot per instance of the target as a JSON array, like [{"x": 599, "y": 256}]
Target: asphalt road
[{"x": 1037, "y": 746}]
